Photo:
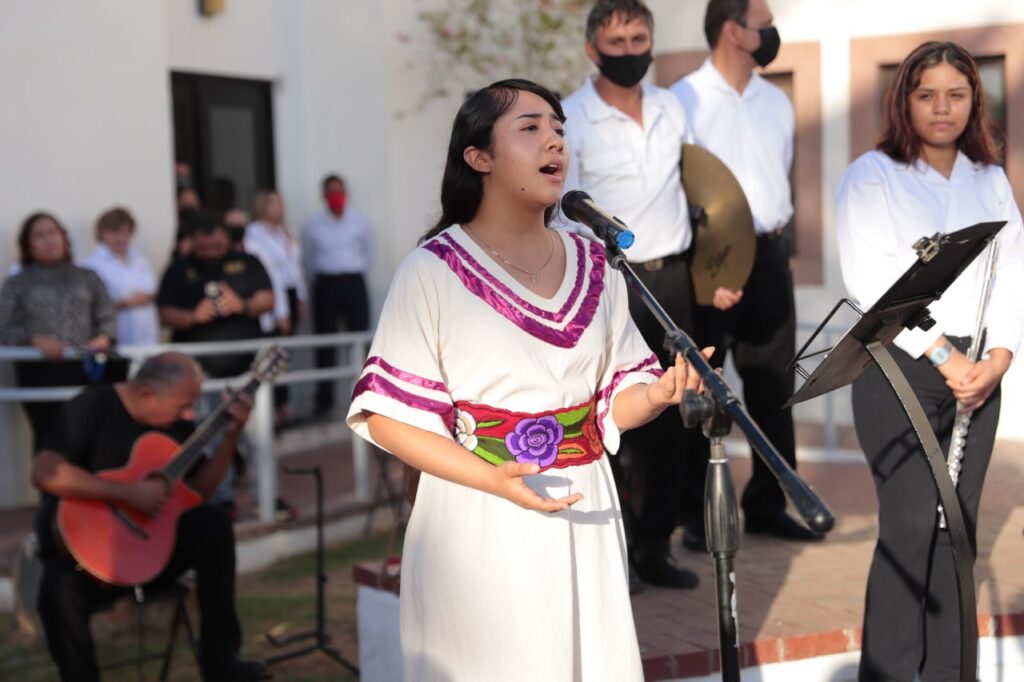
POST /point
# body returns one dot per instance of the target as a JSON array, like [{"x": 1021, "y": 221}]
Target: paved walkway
[{"x": 795, "y": 601}]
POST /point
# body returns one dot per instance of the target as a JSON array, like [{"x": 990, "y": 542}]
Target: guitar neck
[{"x": 192, "y": 449}]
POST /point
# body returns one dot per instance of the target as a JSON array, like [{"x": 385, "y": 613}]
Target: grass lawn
[{"x": 281, "y": 596}]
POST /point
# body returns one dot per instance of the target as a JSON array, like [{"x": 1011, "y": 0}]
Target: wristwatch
[{"x": 941, "y": 355}]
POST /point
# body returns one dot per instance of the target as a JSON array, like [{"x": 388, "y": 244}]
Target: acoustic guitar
[{"x": 122, "y": 546}]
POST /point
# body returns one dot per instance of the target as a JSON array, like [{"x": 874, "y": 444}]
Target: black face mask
[
  {"x": 237, "y": 234},
  {"x": 624, "y": 70},
  {"x": 769, "y": 47}
]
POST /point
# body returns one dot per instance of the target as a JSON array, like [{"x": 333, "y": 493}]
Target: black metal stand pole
[
  {"x": 319, "y": 635},
  {"x": 717, "y": 409},
  {"x": 721, "y": 522}
]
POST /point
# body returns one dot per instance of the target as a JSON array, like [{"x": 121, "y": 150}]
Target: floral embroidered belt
[{"x": 559, "y": 439}]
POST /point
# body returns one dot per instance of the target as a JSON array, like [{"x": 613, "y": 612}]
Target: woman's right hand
[
  {"x": 51, "y": 348},
  {"x": 508, "y": 483}
]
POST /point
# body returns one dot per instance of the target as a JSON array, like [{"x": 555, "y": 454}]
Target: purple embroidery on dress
[
  {"x": 535, "y": 440},
  {"x": 648, "y": 366},
  {"x": 565, "y": 338},
  {"x": 497, "y": 284},
  {"x": 377, "y": 361},
  {"x": 375, "y": 383}
]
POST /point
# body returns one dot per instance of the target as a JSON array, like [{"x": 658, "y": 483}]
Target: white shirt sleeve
[
  {"x": 869, "y": 253},
  {"x": 255, "y": 244},
  {"x": 402, "y": 378},
  {"x": 1004, "y": 316}
]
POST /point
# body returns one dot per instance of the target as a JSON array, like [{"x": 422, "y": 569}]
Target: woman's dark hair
[
  {"x": 25, "y": 237},
  {"x": 900, "y": 141},
  {"x": 114, "y": 219},
  {"x": 462, "y": 188},
  {"x": 720, "y": 11}
]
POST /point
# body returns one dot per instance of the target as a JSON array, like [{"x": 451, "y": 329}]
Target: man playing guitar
[{"x": 96, "y": 431}]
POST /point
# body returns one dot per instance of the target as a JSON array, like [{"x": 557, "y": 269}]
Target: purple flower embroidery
[{"x": 535, "y": 441}]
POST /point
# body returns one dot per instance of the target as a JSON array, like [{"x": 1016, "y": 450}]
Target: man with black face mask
[
  {"x": 624, "y": 142},
  {"x": 749, "y": 124}
]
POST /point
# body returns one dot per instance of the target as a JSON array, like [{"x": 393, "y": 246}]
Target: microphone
[
  {"x": 577, "y": 205},
  {"x": 212, "y": 291}
]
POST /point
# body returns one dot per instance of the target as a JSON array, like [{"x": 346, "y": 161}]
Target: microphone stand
[{"x": 717, "y": 408}]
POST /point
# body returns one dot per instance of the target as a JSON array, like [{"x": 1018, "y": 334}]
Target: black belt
[
  {"x": 772, "y": 236},
  {"x": 660, "y": 263}
]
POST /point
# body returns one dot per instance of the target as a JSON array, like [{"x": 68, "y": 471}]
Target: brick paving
[{"x": 795, "y": 600}]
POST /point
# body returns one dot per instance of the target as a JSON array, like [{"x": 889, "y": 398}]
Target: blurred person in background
[
  {"x": 187, "y": 198},
  {"x": 337, "y": 247},
  {"x": 269, "y": 239},
  {"x": 53, "y": 304},
  {"x": 128, "y": 277},
  {"x": 235, "y": 219},
  {"x": 215, "y": 294}
]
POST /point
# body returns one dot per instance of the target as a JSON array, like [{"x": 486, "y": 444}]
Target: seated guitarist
[{"x": 95, "y": 431}]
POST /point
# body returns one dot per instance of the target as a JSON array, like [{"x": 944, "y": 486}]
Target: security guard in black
[{"x": 230, "y": 288}]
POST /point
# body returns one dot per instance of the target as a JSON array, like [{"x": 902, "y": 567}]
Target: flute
[{"x": 962, "y": 421}]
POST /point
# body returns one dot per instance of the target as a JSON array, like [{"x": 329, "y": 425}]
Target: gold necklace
[{"x": 506, "y": 261}]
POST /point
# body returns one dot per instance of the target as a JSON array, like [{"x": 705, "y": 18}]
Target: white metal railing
[{"x": 260, "y": 427}]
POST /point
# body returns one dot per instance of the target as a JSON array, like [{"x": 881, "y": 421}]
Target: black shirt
[
  {"x": 184, "y": 285},
  {"x": 93, "y": 431}
]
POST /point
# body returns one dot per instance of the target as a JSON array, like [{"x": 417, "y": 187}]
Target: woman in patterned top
[
  {"x": 52, "y": 304},
  {"x": 504, "y": 365}
]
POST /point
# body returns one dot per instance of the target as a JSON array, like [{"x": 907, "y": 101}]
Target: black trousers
[
  {"x": 45, "y": 374},
  {"x": 760, "y": 331},
  {"x": 911, "y": 616},
  {"x": 281, "y": 391},
  {"x": 336, "y": 297},
  {"x": 68, "y": 597},
  {"x": 654, "y": 455}
]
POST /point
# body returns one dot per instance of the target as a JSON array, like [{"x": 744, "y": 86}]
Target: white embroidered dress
[{"x": 491, "y": 591}]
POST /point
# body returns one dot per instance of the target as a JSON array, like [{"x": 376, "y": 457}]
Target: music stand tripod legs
[{"x": 321, "y": 640}]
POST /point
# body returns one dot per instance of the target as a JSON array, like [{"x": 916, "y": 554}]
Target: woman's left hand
[
  {"x": 681, "y": 377},
  {"x": 975, "y": 388}
]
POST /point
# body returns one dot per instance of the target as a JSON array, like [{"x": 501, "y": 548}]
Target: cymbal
[{"x": 723, "y": 228}]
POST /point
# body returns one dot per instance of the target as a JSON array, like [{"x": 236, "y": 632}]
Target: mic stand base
[{"x": 321, "y": 640}]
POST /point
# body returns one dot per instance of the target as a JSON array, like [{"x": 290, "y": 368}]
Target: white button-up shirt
[
  {"x": 883, "y": 207},
  {"x": 137, "y": 325},
  {"x": 335, "y": 246},
  {"x": 752, "y": 133},
  {"x": 631, "y": 171},
  {"x": 281, "y": 258}
]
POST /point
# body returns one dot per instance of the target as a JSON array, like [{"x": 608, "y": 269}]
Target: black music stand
[{"x": 941, "y": 259}]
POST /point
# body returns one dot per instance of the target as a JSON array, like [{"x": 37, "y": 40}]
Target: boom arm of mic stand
[{"x": 811, "y": 507}]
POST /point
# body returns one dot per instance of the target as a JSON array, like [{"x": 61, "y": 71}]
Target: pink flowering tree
[{"x": 467, "y": 44}]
